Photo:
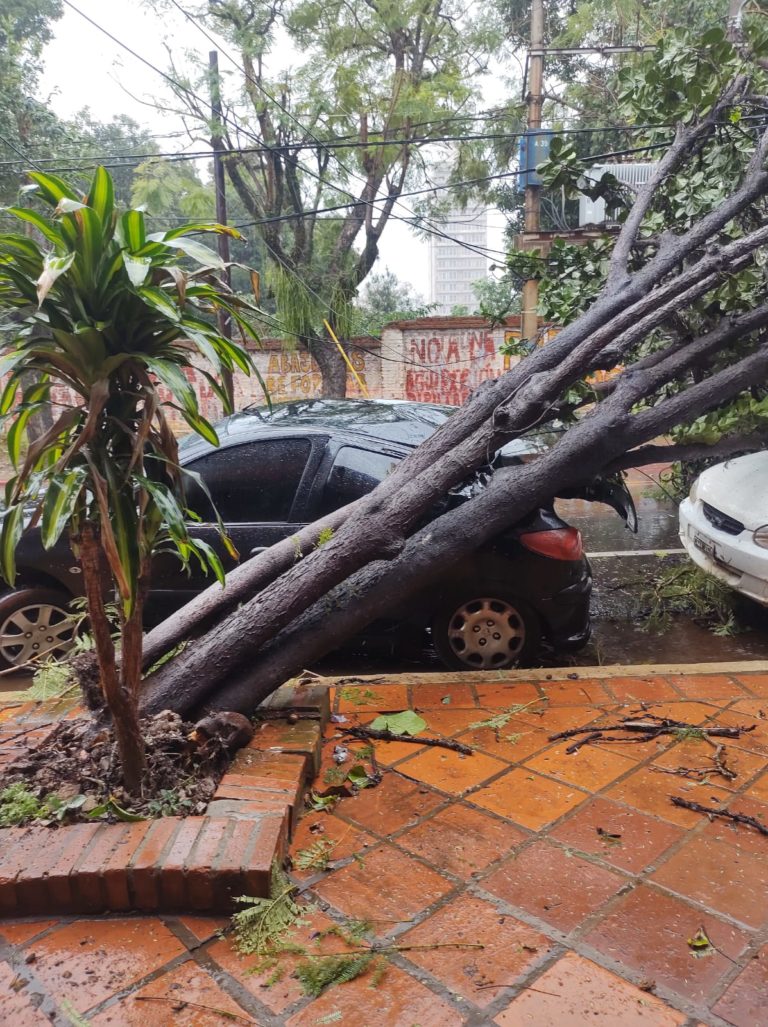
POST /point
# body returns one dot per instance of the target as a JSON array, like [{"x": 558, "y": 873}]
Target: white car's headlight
[
  {"x": 760, "y": 536},
  {"x": 693, "y": 495}
]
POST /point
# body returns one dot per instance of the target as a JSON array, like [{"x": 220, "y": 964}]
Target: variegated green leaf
[
  {"x": 101, "y": 196},
  {"x": 59, "y": 504},
  {"x": 53, "y": 268},
  {"x": 10, "y": 533},
  {"x": 137, "y": 268},
  {"x": 52, "y": 188}
]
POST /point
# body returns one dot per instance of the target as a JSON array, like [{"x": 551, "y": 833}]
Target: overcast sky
[{"x": 110, "y": 81}]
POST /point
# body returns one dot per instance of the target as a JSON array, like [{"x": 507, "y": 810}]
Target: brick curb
[{"x": 175, "y": 864}]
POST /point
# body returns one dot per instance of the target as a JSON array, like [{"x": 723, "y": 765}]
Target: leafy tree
[
  {"x": 386, "y": 298},
  {"x": 25, "y": 28},
  {"x": 384, "y": 78},
  {"x": 111, "y": 312}
]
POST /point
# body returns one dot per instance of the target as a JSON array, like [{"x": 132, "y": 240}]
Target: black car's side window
[
  {"x": 354, "y": 473},
  {"x": 253, "y": 482}
]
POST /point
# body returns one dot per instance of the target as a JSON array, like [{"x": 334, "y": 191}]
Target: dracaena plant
[{"x": 111, "y": 311}]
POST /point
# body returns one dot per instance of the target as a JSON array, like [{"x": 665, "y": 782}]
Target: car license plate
[{"x": 706, "y": 547}]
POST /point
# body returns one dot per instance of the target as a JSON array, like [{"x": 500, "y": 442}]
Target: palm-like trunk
[{"x": 120, "y": 689}]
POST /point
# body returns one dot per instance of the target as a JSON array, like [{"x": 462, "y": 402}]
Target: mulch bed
[{"x": 80, "y": 758}]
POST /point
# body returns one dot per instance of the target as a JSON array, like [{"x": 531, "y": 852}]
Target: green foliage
[
  {"x": 406, "y": 723},
  {"x": 168, "y": 803},
  {"x": 102, "y": 308},
  {"x": 384, "y": 298},
  {"x": 316, "y": 856},
  {"x": 410, "y": 71},
  {"x": 324, "y": 536},
  {"x": 17, "y": 806},
  {"x": 317, "y": 975},
  {"x": 259, "y": 928},
  {"x": 683, "y": 589},
  {"x": 51, "y": 680}
]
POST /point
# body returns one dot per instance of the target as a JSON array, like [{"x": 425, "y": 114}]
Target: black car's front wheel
[
  {"x": 34, "y": 622},
  {"x": 485, "y": 631}
]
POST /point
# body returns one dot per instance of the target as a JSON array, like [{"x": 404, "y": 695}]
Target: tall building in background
[{"x": 453, "y": 264}]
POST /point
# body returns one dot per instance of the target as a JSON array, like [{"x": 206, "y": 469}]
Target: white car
[{"x": 724, "y": 524}]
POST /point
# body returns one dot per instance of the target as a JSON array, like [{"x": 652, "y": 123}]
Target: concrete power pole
[{"x": 529, "y": 320}]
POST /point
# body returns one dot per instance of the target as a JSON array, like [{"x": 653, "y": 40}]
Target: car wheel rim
[
  {"x": 486, "y": 633},
  {"x": 34, "y": 630}
]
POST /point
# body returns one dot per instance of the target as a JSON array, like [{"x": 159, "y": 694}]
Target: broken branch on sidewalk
[
  {"x": 710, "y": 811},
  {"x": 649, "y": 727},
  {"x": 390, "y": 736}
]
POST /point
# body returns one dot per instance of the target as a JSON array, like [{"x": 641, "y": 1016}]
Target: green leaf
[
  {"x": 197, "y": 251},
  {"x": 211, "y": 557},
  {"x": 131, "y": 230},
  {"x": 16, "y": 433},
  {"x": 53, "y": 189},
  {"x": 203, "y": 427},
  {"x": 101, "y": 196},
  {"x": 358, "y": 776},
  {"x": 111, "y": 808},
  {"x": 8, "y": 397},
  {"x": 198, "y": 226},
  {"x": 406, "y": 723},
  {"x": 172, "y": 376},
  {"x": 169, "y": 507},
  {"x": 59, "y": 504},
  {"x": 43, "y": 225},
  {"x": 160, "y": 301},
  {"x": 10, "y": 533}
]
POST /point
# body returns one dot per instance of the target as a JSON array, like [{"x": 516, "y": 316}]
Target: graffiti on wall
[
  {"x": 444, "y": 367},
  {"x": 295, "y": 374}
]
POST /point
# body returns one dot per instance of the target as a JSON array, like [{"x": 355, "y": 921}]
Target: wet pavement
[{"x": 519, "y": 885}]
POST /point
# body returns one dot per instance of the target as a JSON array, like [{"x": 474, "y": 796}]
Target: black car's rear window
[
  {"x": 253, "y": 482},
  {"x": 354, "y": 473}
]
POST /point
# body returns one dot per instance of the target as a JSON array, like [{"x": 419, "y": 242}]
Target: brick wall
[{"x": 442, "y": 359}]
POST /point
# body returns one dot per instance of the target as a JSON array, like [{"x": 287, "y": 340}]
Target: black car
[{"x": 276, "y": 470}]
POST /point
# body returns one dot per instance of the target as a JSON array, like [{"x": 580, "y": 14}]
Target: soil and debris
[{"x": 76, "y": 769}]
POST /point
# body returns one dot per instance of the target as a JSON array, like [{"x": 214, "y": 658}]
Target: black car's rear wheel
[
  {"x": 34, "y": 622},
  {"x": 485, "y": 631}
]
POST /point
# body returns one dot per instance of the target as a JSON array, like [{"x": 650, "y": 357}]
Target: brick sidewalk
[{"x": 576, "y": 874}]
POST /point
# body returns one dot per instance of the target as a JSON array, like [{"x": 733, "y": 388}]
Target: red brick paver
[{"x": 521, "y": 886}]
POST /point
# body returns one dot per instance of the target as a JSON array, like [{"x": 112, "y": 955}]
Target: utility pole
[
  {"x": 219, "y": 181},
  {"x": 529, "y": 320}
]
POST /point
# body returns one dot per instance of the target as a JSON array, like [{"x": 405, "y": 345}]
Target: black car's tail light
[{"x": 558, "y": 544}]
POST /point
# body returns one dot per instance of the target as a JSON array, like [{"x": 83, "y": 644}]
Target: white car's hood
[{"x": 738, "y": 488}]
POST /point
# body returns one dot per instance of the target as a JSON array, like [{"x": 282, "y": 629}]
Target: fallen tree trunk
[
  {"x": 502, "y": 409},
  {"x": 586, "y": 448},
  {"x": 380, "y": 551}
]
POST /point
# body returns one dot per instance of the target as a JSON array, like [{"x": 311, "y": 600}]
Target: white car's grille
[{"x": 722, "y": 521}]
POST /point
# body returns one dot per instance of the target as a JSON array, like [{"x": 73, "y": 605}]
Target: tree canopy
[{"x": 319, "y": 153}]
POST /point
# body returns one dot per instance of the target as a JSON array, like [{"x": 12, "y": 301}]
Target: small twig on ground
[
  {"x": 525, "y": 987},
  {"x": 650, "y": 727},
  {"x": 719, "y": 761},
  {"x": 575, "y": 746},
  {"x": 709, "y": 811},
  {"x": 690, "y": 773},
  {"x": 186, "y": 1004},
  {"x": 389, "y": 736}
]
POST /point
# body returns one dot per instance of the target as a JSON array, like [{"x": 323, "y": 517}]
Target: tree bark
[
  {"x": 121, "y": 701},
  {"x": 332, "y": 368}
]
